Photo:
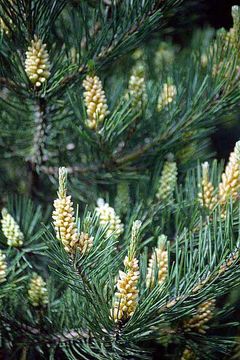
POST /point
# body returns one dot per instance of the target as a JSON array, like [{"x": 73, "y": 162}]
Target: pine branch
[
  {"x": 9, "y": 84},
  {"x": 37, "y": 335}
]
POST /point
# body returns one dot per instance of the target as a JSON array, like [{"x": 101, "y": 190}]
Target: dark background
[{"x": 217, "y": 14}]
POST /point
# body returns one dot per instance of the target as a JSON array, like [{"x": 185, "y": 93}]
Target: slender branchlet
[
  {"x": 95, "y": 101},
  {"x": 37, "y": 62},
  {"x": 198, "y": 323},
  {"x": 108, "y": 218},
  {"x": 11, "y": 229},
  {"x": 206, "y": 197},
  {"x": 158, "y": 264},
  {"x": 41, "y": 131},
  {"x": 126, "y": 297},
  {"x": 3, "y": 267},
  {"x": 167, "y": 180},
  {"x": 37, "y": 292},
  {"x": 166, "y": 96}
]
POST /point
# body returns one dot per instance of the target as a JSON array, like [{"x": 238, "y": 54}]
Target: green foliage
[
  {"x": 90, "y": 38},
  {"x": 81, "y": 287},
  {"x": 182, "y": 94}
]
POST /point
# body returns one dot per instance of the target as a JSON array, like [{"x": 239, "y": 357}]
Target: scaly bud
[
  {"x": 11, "y": 230},
  {"x": 166, "y": 96},
  {"x": 3, "y": 267},
  {"x": 188, "y": 354},
  {"x": 37, "y": 293},
  {"x": 206, "y": 196},
  {"x": 108, "y": 217},
  {"x": 198, "y": 323},
  {"x": 158, "y": 264},
  {"x": 95, "y": 101},
  {"x": 167, "y": 181},
  {"x": 37, "y": 62},
  {"x": 137, "y": 88}
]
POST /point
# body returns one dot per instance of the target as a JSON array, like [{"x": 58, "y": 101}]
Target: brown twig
[
  {"x": 46, "y": 337},
  {"x": 53, "y": 170},
  {"x": 113, "y": 163},
  {"x": 39, "y": 145},
  {"x": 9, "y": 84}
]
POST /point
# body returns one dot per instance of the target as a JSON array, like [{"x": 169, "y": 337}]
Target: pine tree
[{"x": 114, "y": 242}]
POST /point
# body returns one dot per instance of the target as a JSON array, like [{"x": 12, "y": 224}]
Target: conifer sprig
[{"x": 111, "y": 289}]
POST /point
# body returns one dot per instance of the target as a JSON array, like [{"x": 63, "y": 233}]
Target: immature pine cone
[
  {"x": 107, "y": 216},
  {"x": 158, "y": 265},
  {"x": 137, "y": 89},
  {"x": 230, "y": 185},
  {"x": 63, "y": 215},
  {"x": 37, "y": 293},
  {"x": 167, "y": 181},
  {"x": 3, "y": 267},
  {"x": 37, "y": 62},
  {"x": 64, "y": 221},
  {"x": 206, "y": 196},
  {"x": 126, "y": 297},
  {"x": 167, "y": 96},
  {"x": 95, "y": 101},
  {"x": 11, "y": 230},
  {"x": 204, "y": 314}
]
